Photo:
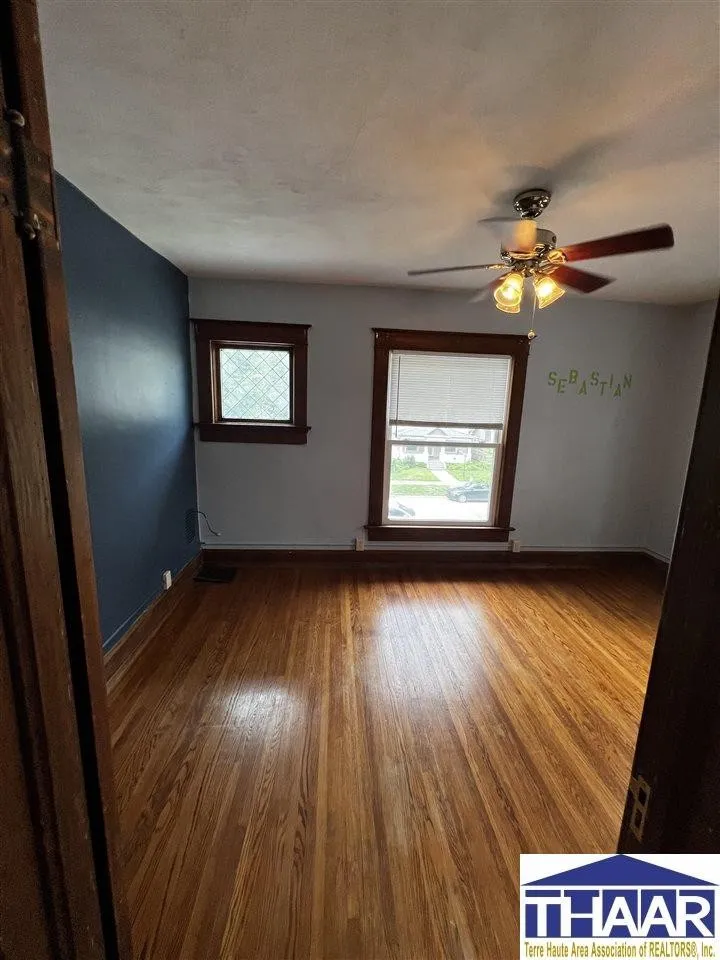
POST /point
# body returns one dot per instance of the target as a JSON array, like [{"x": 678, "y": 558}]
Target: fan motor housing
[{"x": 544, "y": 242}]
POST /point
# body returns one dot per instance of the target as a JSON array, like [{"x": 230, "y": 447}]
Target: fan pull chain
[{"x": 531, "y": 331}]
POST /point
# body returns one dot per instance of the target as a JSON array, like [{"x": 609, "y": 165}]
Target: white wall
[
  {"x": 583, "y": 460},
  {"x": 681, "y": 350}
]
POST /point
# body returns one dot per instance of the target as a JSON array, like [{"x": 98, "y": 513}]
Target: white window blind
[{"x": 444, "y": 388}]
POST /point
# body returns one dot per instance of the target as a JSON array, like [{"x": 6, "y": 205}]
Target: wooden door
[
  {"x": 674, "y": 799},
  {"x": 60, "y": 893}
]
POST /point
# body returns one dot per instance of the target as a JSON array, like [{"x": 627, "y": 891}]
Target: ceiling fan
[{"x": 532, "y": 253}]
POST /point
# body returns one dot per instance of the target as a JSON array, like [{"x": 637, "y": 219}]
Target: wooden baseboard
[
  {"x": 127, "y": 646},
  {"x": 500, "y": 559}
]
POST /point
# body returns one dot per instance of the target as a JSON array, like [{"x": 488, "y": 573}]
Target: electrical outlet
[
  {"x": 515, "y": 546},
  {"x": 167, "y": 579},
  {"x": 360, "y": 542}
]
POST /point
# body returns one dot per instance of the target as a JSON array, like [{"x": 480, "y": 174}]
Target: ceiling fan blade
[
  {"x": 651, "y": 238},
  {"x": 581, "y": 280},
  {"x": 471, "y": 266},
  {"x": 484, "y": 292}
]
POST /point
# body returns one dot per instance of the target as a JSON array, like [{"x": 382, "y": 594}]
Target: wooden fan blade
[
  {"x": 651, "y": 238},
  {"x": 484, "y": 292},
  {"x": 471, "y": 266},
  {"x": 581, "y": 280}
]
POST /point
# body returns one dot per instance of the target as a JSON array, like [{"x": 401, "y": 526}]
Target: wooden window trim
[
  {"x": 210, "y": 336},
  {"x": 516, "y": 346}
]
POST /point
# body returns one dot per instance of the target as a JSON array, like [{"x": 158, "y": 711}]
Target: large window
[
  {"x": 446, "y": 419},
  {"x": 252, "y": 381}
]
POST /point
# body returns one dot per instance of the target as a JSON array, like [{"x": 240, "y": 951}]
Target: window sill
[
  {"x": 388, "y": 532},
  {"x": 246, "y": 433}
]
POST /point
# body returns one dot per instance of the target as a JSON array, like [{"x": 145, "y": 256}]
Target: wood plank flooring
[{"x": 340, "y": 764}]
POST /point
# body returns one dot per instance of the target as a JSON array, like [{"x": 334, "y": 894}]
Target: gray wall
[
  {"x": 583, "y": 461},
  {"x": 681, "y": 351},
  {"x": 129, "y": 329}
]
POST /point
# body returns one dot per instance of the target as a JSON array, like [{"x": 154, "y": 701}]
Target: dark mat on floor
[{"x": 214, "y": 573}]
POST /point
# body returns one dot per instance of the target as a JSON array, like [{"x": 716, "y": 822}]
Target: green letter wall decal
[{"x": 616, "y": 386}]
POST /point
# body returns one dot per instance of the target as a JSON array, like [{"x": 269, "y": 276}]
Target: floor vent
[{"x": 214, "y": 573}]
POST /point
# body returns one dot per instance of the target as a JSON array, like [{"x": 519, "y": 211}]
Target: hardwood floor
[{"x": 331, "y": 763}]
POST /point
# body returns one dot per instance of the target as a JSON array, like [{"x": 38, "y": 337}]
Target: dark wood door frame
[
  {"x": 48, "y": 604},
  {"x": 674, "y": 802}
]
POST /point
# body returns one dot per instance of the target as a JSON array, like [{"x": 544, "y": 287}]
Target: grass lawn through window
[
  {"x": 418, "y": 490},
  {"x": 479, "y": 471},
  {"x": 407, "y": 469}
]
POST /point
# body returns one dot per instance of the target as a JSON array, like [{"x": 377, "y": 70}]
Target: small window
[
  {"x": 252, "y": 381},
  {"x": 458, "y": 397},
  {"x": 255, "y": 384}
]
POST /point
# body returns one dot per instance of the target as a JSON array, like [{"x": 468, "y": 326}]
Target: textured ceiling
[{"x": 349, "y": 141}]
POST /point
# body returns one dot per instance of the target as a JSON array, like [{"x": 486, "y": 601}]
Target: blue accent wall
[{"x": 131, "y": 351}]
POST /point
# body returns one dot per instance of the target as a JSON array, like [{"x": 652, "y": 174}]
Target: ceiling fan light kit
[
  {"x": 532, "y": 253},
  {"x": 547, "y": 291},
  {"x": 508, "y": 296}
]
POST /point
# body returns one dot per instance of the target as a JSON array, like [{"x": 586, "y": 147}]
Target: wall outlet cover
[
  {"x": 515, "y": 546},
  {"x": 167, "y": 579},
  {"x": 360, "y": 543}
]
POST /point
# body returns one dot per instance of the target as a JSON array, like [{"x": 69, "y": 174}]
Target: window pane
[
  {"x": 441, "y": 484},
  {"x": 254, "y": 384}
]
